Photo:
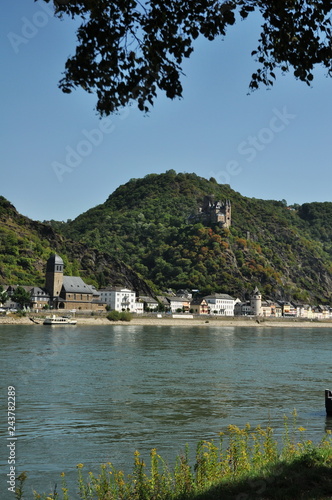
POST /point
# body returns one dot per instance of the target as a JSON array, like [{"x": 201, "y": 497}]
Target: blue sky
[{"x": 58, "y": 159}]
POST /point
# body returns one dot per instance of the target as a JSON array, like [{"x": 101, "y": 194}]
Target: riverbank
[{"x": 169, "y": 321}]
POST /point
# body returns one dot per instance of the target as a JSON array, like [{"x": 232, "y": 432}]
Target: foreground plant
[{"x": 243, "y": 464}]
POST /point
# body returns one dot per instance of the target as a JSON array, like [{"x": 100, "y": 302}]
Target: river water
[{"x": 93, "y": 395}]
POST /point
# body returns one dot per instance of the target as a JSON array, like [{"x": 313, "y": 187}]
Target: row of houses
[
  {"x": 284, "y": 309},
  {"x": 217, "y": 304},
  {"x": 122, "y": 299},
  {"x": 279, "y": 309},
  {"x": 72, "y": 293},
  {"x": 125, "y": 299}
]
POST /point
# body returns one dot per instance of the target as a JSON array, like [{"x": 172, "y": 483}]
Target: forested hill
[
  {"x": 286, "y": 251},
  {"x": 25, "y": 246}
]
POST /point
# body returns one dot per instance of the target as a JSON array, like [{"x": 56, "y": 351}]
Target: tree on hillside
[
  {"x": 127, "y": 49},
  {"x": 3, "y": 295},
  {"x": 21, "y": 297}
]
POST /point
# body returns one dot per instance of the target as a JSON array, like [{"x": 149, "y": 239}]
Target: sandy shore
[{"x": 167, "y": 321}]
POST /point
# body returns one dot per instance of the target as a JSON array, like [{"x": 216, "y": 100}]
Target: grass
[{"x": 244, "y": 464}]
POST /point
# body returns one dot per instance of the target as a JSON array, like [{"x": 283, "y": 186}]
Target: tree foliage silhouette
[{"x": 127, "y": 50}]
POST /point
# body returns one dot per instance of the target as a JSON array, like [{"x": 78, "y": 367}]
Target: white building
[
  {"x": 176, "y": 303},
  {"x": 139, "y": 306},
  {"x": 220, "y": 303},
  {"x": 256, "y": 302},
  {"x": 119, "y": 299},
  {"x": 150, "y": 304}
]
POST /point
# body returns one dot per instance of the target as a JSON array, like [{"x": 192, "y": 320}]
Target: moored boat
[
  {"x": 328, "y": 402},
  {"x": 59, "y": 320}
]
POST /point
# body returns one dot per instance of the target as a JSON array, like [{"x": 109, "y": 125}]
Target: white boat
[{"x": 59, "y": 320}]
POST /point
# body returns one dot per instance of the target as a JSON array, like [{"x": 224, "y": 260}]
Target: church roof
[{"x": 75, "y": 284}]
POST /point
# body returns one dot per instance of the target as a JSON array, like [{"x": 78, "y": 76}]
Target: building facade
[
  {"x": 179, "y": 303},
  {"x": 199, "y": 306},
  {"x": 119, "y": 299},
  {"x": 69, "y": 292},
  {"x": 221, "y": 304},
  {"x": 150, "y": 304},
  {"x": 39, "y": 298}
]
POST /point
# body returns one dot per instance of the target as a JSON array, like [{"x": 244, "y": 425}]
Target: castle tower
[
  {"x": 54, "y": 276},
  {"x": 228, "y": 214},
  {"x": 256, "y": 302}
]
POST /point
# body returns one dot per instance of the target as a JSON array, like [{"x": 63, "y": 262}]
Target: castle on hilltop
[{"x": 214, "y": 212}]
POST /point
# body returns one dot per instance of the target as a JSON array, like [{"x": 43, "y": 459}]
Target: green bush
[
  {"x": 119, "y": 316},
  {"x": 113, "y": 316},
  {"x": 125, "y": 316}
]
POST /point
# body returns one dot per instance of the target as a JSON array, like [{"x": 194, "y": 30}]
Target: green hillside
[
  {"x": 142, "y": 237},
  {"x": 25, "y": 246},
  {"x": 286, "y": 252}
]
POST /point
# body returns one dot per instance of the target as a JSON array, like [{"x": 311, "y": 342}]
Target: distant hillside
[
  {"x": 25, "y": 245},
  {"x": 144, "y": 223}
]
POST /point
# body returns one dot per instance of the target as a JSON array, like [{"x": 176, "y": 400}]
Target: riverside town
[
  {"x": 71, "y": 294},
  {"x": 166, "y": 250}
]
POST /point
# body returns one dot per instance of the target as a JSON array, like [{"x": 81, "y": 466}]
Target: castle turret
[
  {"x": 54, "y": 276},
  {"x": 228, "y": 214},
  {"x": 256, "y": 302}
]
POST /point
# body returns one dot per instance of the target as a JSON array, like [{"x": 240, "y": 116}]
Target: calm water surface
[{"x": 96, "y": 394}]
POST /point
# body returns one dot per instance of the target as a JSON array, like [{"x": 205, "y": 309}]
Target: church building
[{"x": 69, "y": 292}]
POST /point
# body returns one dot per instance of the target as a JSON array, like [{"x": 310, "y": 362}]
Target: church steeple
[{"x": 54, "y": 276}]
